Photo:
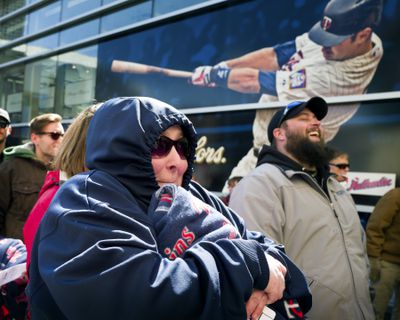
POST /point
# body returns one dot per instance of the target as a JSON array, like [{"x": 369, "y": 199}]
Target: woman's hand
[
  {"x": 276, "y": 283},
  {"x": 256, "y": 303},
  {"x": 273, "y": 292}
]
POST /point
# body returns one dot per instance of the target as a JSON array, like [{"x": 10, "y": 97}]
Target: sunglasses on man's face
[
  {"x": 341, "y": 166},
  {"x": 3, "y": 125},
  {"x": 54, "y": 135},
  {"x": 164, "y": 145}
]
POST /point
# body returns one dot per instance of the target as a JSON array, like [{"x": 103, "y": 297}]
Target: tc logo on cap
[{"x": 326, "y": 23}]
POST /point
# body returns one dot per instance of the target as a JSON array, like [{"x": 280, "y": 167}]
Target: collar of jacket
[{"x": 272, "y": 156}]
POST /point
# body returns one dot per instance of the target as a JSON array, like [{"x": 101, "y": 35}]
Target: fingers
[
  {"x": 276, "y": 283},
  {"x": 256, "y": 304}
]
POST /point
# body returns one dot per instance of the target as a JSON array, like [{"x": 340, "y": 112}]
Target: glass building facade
[{"x": 48, "y": 50}]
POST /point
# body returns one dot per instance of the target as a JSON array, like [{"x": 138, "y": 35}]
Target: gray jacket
[{"x": 322, "y": 235}]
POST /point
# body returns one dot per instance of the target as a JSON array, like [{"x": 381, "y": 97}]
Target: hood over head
[
  {"x": 26, "y": 150},
  {"x": 121, "y": 136}
]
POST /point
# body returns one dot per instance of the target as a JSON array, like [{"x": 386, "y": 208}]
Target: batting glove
[
  {"x": 201, "y": 77},
  {"x": 207, "y": 76}
]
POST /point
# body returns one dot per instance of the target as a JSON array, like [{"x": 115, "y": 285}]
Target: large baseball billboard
[{"x": 264, "y": 53}]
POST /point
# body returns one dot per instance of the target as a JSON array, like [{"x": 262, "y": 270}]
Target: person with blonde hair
[{"x": 69, "y": 161}]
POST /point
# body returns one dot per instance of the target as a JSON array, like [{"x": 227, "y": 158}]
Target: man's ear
[
  {"x": 34, "y": 138},
  {"x": 364, "y": 34},
  {"x": 278, "y": 134},
  {"x": 9, "y": 130}
]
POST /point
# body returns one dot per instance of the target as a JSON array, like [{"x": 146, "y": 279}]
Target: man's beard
[{"x": 307, "y": 152}]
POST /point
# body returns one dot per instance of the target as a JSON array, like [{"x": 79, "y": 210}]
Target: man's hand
[
  {"x": 207, "y": 76},
  {"x": 276, "y": 283},
  {"x": 202, "y": 77}
]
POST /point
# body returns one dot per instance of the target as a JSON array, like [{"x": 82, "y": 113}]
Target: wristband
[
  {"x": 219, "y": 76},
  {"x": 267, "y": 82},
  {"x": 222, "y": 64}
]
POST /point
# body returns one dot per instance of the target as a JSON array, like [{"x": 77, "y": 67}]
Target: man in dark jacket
[
  {"x": 291, "y": 197},
  {"x": 23, "y": 170}
]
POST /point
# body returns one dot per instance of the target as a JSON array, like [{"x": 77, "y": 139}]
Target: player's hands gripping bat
[{"x": 208, "y": 76}]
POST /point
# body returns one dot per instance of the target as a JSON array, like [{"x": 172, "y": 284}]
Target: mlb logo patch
[
  {"x": 297, "y": 80},
  {"x": 326, "y": 23}
]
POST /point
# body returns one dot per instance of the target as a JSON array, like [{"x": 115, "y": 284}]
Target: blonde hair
[{"x": 71, "y": 156}]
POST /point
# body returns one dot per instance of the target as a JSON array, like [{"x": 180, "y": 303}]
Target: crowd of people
[
  {"x": 117, "y": 205},
  {"x": 107, "y": 222}
]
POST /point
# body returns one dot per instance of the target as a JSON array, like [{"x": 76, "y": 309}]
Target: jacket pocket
[{"x": 24, "y": 197}]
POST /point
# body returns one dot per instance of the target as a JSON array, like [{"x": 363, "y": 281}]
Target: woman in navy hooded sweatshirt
[{"x": 96, "y": 255}]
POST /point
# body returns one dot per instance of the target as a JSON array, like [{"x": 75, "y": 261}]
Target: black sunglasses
[
  {"x": 289, "y": 107},
  {"x": 341, "y": 166},
  {"x": 164, "y": 145},
  {"x": 3, "y": 125},
  {"x": 54, "y": 135}
]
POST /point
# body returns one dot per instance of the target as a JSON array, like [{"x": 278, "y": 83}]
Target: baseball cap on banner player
[
  {"x": 343, "y": 18},
  {"x": 316, "y": 105}
]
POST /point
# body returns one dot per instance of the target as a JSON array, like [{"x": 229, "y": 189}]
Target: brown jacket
[
  {"x": 383, "y": 228},
  {"x": 21, "y": 177}
]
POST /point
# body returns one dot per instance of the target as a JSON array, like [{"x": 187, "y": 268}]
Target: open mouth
[{"x": 314, "y": 134}]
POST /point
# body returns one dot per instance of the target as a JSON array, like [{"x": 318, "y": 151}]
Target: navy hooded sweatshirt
[{"x": 95, "y": 255}]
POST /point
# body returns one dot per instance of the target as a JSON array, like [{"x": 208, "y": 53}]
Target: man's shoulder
[
  {"x": 18, "y": 162},
  {"x": 268, "y": 173},
  {"x": 13, "y": 163}
]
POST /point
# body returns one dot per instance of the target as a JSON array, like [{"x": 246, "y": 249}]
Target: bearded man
[{"x": 291, "y": 197}]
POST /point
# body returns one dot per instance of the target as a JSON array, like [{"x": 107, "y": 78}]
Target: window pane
[
  {"x": 12, "y": 54},
  {"x": 11, "y": 92},
  {"x": 79, "y": 32},
  {"x": 42, "y": 45},
  {"x": 12, "y": 29},
  {"x": 44, "y": 18},
  {"x": 126, "y": 16},
  {"x": 8, "y": 6},
  {"x": 77, "y": 73},
  {"x": 72, "y": 8},
  {"x": 162, "y": 6},
  {"x": 40, "y": 81},
  {"x": 104, "y": 2}
]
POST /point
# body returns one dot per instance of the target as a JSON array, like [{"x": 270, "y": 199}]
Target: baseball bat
[{"x": 134, "y": 67}]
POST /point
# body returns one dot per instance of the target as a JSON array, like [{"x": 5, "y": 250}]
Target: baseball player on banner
[{"x": 337, "y": 57}]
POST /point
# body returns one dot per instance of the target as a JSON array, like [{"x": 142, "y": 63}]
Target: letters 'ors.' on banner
[{"x": 370, "y": 183}]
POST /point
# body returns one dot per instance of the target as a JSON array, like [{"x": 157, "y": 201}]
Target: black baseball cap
[
  {"x": 4, "y": 115},
  {"x": 316, "y": 105},
  {"x": 343, "y": 18}
]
